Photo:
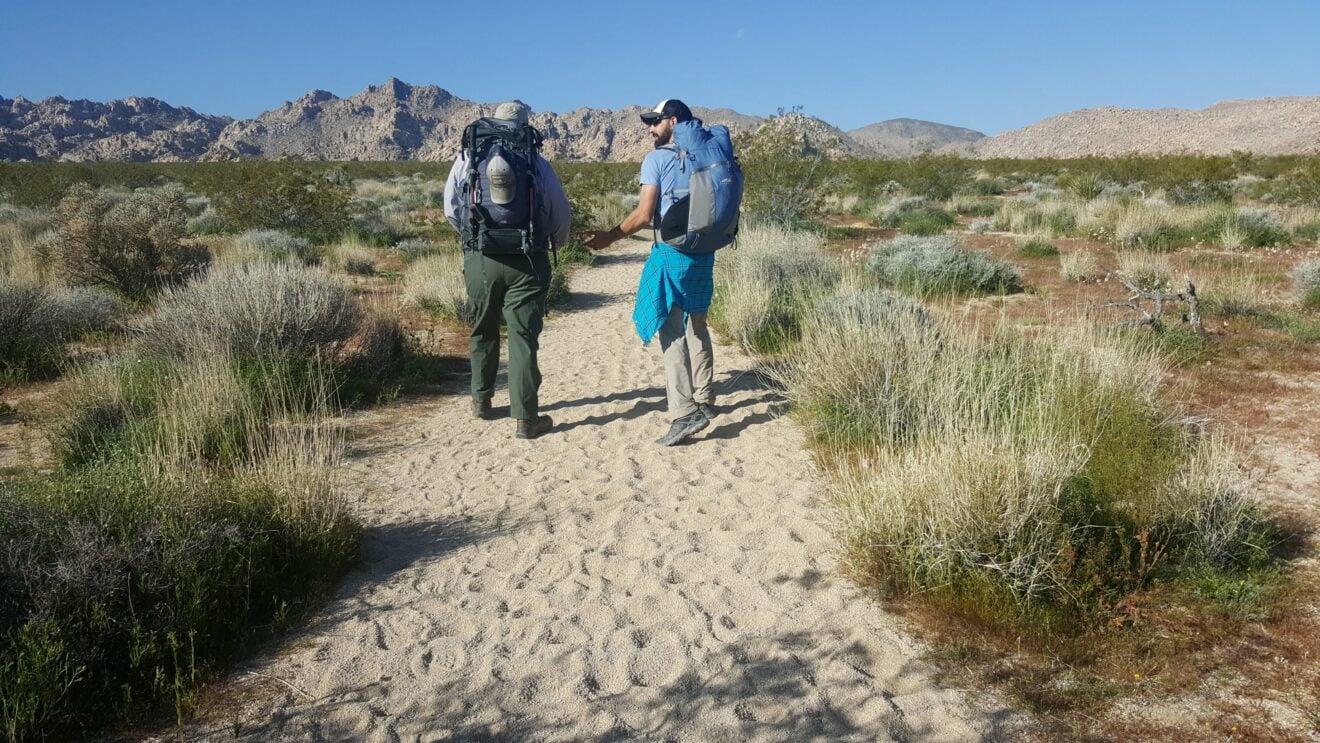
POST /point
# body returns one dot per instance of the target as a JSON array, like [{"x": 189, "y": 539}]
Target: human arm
[
  {"x": 638, "y": 218},
  {"x": 454, "y": 193},
  {"x": 558, "y": 211}
]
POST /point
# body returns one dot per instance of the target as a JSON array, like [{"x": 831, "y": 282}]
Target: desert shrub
[
  {"x": 381, "y": 226},
  {"x": 1037, "y": 248},
  {"x": 134, "y": 247},
  {"x": 888, "y": 214},
  {"x": 1254, "y": 228},
  {"x": 417, "y": 247},
  {"x": 36, "y": 321},
  {"x": 208, "y": 222},
  {"x": 936, "y": 177},
  {"x": 275, "y": 245},
  {"x": 1085, "y": 186},
  {"x": 938, "y": 265},
  {"x": 786, "y": 177},
  {"x": 435, "y": 283},
  {"x": 278, "y": 196},
  {"x": 260, "y": 310},
  {"x": 1078, "y": 265},
  {"x": 980, "y": 226},
  {"x": 988, "y": 186},
  {"x": 1306, "y": 283},
  {"x": 211, "y": 521},
  {"x": 355, "y": 259},
  {"x": 1199, "y": 192},
  {"x": 765, "y": 287}
]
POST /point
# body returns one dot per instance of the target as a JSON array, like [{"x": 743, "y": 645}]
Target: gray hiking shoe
[
  {"x": 683, "y": 428},
  {"x": 481, "y": 409},
  {"x": 530, "y": 429}
]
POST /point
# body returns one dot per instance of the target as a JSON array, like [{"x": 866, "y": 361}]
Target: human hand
[{"x": 601, "y": 240}]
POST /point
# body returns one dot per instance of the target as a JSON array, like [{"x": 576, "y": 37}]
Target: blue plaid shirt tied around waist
[{"x": 672, "y": 278}]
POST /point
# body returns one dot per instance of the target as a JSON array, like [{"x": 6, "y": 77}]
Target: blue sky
[{"x": 986, "y": 65}]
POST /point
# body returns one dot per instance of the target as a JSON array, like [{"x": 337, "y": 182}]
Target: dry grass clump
[
  {"x": 1045, "y": 218},
  {"x": 356, "y": 259},
  {"x": 435, "y": 283},
  {"x": 1306, "y": 280},
  {"x": 765, "y": 287},
  {"x": 1079, "y": 265},
  {"x": 1045, "y": 471},
  {"x": 272, "y": 246},
  {"x": 928, "y": 266},
  {"x": 1149, "y": 271}
]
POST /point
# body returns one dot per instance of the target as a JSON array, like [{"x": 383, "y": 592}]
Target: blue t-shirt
[{"x": 661, "y": 168}]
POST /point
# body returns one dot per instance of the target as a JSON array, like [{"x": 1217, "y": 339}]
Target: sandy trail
[{"x": 591, "y": 585}]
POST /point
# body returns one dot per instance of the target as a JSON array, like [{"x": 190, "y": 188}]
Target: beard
[{"x": 662, "y": 139}]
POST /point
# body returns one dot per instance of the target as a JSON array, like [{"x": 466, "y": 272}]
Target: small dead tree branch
[{"x": 1153, "y": 317}]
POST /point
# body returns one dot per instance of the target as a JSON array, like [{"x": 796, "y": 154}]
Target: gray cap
[{"x": 515, "y": 111}]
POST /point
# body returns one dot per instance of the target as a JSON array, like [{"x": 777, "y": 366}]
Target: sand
[{"x": 591, "y": 585}]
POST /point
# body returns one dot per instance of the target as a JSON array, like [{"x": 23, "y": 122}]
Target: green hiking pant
[{"x": 512, "y": 288}]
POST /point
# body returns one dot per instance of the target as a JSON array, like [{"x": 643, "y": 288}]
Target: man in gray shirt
[{"x": 507, "y": 271}]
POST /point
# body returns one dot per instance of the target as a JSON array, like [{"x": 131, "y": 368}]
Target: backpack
[
  {"x": 707, "y": 218},
  {"x": 503, "y": 214}
]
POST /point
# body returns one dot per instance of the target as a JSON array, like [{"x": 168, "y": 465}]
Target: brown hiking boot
[{"x": 530, "y": 429}]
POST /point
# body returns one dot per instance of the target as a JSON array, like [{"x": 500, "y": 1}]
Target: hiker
[
  {"x": 678, "y": 280},
  {"x": 509, "y": 208}
]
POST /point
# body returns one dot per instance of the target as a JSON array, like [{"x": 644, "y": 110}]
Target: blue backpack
[{"x": 707, "y": 218}]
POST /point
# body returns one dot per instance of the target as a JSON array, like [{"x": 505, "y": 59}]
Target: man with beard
[{"x": 676, "y": 287}]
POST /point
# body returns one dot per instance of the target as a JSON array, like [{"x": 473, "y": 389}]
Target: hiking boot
[
  {"x": 683, "y": 428},
  {"x": 707, "y": 409},
  {"x": 530, "y": 429},
  {"x": 481, "y": 409}
]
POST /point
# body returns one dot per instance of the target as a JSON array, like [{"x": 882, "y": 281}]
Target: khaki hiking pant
[{"x": 689, "y": 362}]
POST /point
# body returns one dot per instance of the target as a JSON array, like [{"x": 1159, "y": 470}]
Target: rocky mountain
[
  {"x": 134, "y": 129},
  {"x": 908, "y": 137},
  {"x": 398, "y": 121},
  {"x": 393, "y": 121},
  {"x": 1265, "y": 126}
]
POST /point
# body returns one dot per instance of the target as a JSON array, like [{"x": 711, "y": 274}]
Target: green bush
[
  {"x": 1037, "y": 248},
  {"x": 1255, "y": 228},
  {"x": 278, "y": 196},
  {"x": 938, "y": 265},
  {"x": 1085, "y": 186},
  {"x": 134, "y": 247},
  {"x": 926, "y": 222}
]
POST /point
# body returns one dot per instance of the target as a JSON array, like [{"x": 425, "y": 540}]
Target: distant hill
[
  {"x": 132, "y": 129},
  {"x": 908, "y": 137},
  {"x": 1265, "y": 126}
]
